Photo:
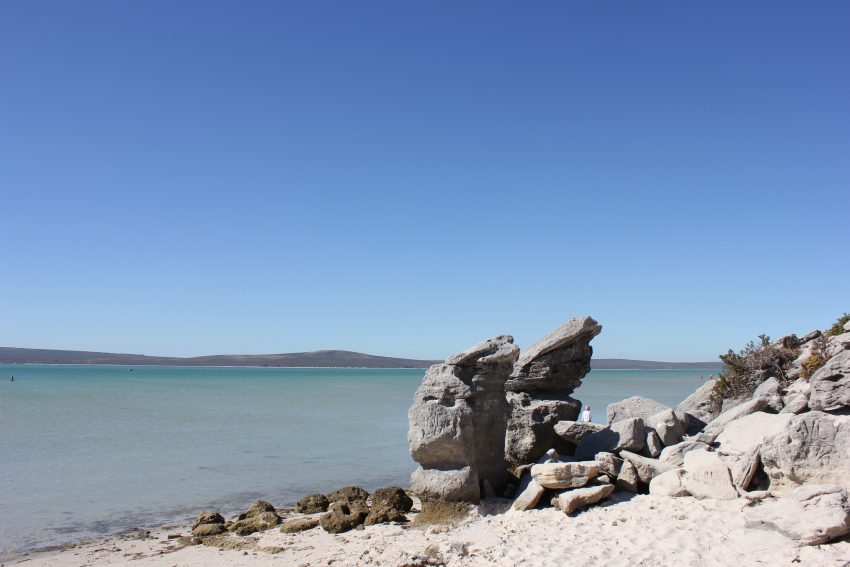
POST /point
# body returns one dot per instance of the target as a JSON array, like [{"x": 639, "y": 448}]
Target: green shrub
[
  {"x": 838, "y": 327},
  {"x": 744, "y": 370},
  {"x": 819, "y": 357}
]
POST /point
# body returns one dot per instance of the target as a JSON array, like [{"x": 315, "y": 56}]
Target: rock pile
[
  {"x": 787, "y": 446},
  {"x": 490, "y": 411},
  {"x": 342, "y": 510}
]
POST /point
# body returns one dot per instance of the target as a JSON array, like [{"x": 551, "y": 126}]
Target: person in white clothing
[{"x": 585, "y": 415}]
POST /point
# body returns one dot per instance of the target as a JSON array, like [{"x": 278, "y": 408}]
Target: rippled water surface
[{"x": 91, "y": 450}]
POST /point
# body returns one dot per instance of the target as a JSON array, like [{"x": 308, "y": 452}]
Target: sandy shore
[{"x": 638, "y": 530}]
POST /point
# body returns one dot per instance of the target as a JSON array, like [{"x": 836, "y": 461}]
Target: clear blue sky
[{"x": 406, "y": 178}]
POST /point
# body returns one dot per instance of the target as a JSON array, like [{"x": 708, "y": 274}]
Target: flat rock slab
[
  {"x": 573, "y": 431},
  {"x": 674, "y": 455},
  {"x": 573, "y": 500},
  {"x": 565, "y": 475},
  {"x": 636, "y": 406},
  {"x": 809, "y": 515},
  {"x": 721, "y": 421},
  {"x": 707, "y": 476},
  {"x": 529, "y": 497},
  {"x": 647, "y": 468}
]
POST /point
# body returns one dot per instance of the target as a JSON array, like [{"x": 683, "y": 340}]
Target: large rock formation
[
  {"x": 831, "y": 384},
  {"x": 813, "y": 449},
  {"x": 809, "y": 515},
  {"x": 539, "y": 389},
  {"x": 458, "y": 422}
]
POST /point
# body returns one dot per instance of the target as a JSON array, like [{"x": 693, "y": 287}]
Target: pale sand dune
[{"x": 645, "y": 530}]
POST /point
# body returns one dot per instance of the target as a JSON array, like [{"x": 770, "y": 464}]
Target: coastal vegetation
[{"x": 744, "y": 370}]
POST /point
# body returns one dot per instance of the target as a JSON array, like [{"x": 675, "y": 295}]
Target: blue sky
[{"x": 406, "y": 178}]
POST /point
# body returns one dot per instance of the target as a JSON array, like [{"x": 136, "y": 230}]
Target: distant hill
[
  {"x": 315, "y": 359},
  {"x": 626, "y": 364}
]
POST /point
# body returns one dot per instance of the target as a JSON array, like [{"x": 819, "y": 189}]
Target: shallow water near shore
[{"x": 92, "y": 450}]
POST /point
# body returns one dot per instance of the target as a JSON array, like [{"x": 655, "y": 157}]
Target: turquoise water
[{"x": 92, "y": 450}]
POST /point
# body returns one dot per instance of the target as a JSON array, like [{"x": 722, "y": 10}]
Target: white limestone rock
[
  {"x": 813, "y": 449},
  {"x": 809, "y": 515},
  {"x": 646, "y": 468},
  {"x": 707, "y": 476},
  {"x": 830, "y": 385},
  {"x": 636, "y": 406},
  {"x": 559, "y": 476},
  {"x": 573, "y": 500},
  {"x": 668, "y": 484}
]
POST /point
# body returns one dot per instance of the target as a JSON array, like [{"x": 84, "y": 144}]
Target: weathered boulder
[
  {"x": 636, "y": 406},
  {"x": 740, "y": 442},
  {"x": 259, "y": 522},
  {"x": 204, "y": 530},
  {"x": 707, "y": 476},
  {"x": 382, "y": 514},
  {"x": 702, "y": 405},
  {"x": 392, "y": 497},
  {"x": 573, "y": 500},
  {"x": 795, "y": 403},
  {"x": 452, "y": 485},
  {"x": 208, "y": 518},
  {"x": 312, "y": 504},
  {"x": 531, "y": 429},
  {"x": 627, "y": 480},
  {"x": 459, "y": 417},
  {"x": 668, "y": 483},
  {"x": 646, "y": 468},
  {"x": 674, "y": 455},
  {"x": 653, "y": 444},
  {"x": 813, "y": 449},
  {"x": 808, "y": 515},
  {"x": 573, "y": 431},
  {"x": 714, "y": 428},
  {"x": 669, "y": 426},
  {"x": 831, "y": 384},
  {"x": 771, "y": 390},
  {"x": 257, "y": 508},
  {"x": 558, "y": 361},
  {"x": 342, "y": 516},
  {"x": 539, "y": 389},
  {"x": 609, "y": 463},
  {"x": 564, "y": 475},
  {"x": 348, "y": 494},
  {"x": 626, "y": 434},
  {"x": 296, "y": 525},
  {"x": 530, "y": 493}
]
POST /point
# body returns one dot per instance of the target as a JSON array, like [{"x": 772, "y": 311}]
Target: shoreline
[{"x": 694, "y": 532}]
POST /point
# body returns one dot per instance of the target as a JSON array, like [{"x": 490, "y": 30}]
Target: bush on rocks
[{"x": 744, "y": 370}]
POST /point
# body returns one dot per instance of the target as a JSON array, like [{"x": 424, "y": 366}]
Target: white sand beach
[{"x": 626, "y": 530}]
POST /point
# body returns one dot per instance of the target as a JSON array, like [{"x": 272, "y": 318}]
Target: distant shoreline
[{"x": 716, "y": 368}]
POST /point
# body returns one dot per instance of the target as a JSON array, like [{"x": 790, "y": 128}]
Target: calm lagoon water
[{"x": 91, "y": 450}]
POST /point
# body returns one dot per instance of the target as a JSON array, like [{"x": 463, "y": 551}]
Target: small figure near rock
[{"x": 586, "y": 416}]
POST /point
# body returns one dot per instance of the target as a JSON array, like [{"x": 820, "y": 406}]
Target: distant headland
[{"x": 314, "y": 359}]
